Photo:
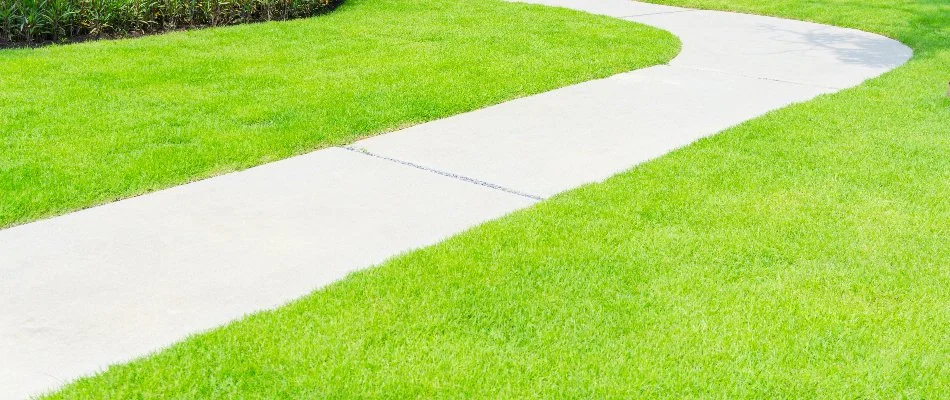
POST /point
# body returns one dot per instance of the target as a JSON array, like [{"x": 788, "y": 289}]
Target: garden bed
[{"x": 31, "y": 23}]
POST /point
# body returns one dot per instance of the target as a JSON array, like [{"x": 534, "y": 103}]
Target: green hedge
[{"x": 38, "y": 21}]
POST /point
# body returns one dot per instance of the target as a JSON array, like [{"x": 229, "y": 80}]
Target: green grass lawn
[
  {"x": 90, "y": 123},
  {"x": 804, "y": 254}
]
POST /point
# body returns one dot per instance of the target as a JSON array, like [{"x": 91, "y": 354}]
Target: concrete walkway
[{"x": 104, "y": 285}]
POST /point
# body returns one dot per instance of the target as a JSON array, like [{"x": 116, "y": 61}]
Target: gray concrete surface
[
  {"x": 98, "y": 286},
  {"x": 104, "y": 285},
  {"x": 732, "y": 67}
]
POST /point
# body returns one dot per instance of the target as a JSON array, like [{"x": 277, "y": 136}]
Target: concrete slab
[
  {"x": 779, "y": 49},
  {"x": 101, "y": 286},
  {"x": 732, "y": 67},
  {"x": 545, "y": 144},
  {"x": 760, "y": 46}
]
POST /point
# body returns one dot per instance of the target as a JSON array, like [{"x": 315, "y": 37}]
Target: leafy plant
[{"x": 38, "y": 21}]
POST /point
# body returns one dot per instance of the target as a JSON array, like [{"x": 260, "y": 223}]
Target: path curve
[
  {"x": 103, "y": 285},
  {"x": 732, "y": 68}
]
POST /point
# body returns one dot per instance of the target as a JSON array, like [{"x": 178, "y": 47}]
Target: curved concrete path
[{"x": 104, "y": 285}]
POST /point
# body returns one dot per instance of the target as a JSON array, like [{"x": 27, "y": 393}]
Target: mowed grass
[
  {"x": 804, "y": 254},
  {"x": 90, "y": 123}
]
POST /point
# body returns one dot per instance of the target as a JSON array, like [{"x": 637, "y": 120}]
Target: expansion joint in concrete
[{"x": 446, "y": 174}]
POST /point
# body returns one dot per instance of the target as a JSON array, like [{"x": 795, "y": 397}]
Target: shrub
[{"x": 39, "y": 21}]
